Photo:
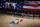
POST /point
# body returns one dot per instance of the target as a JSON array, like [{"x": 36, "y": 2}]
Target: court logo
[{"x": 16, "y": 21}]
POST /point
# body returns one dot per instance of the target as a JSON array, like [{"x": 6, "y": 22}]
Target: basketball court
[{"x": 6, "y": 19}]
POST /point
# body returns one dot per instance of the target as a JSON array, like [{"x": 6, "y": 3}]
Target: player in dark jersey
[
  {"x": 39, "y": 14},
  {"x": 33, "y": 14}
]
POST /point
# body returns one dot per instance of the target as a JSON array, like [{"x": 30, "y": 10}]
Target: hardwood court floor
[{"x": 6, "y": 19}]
